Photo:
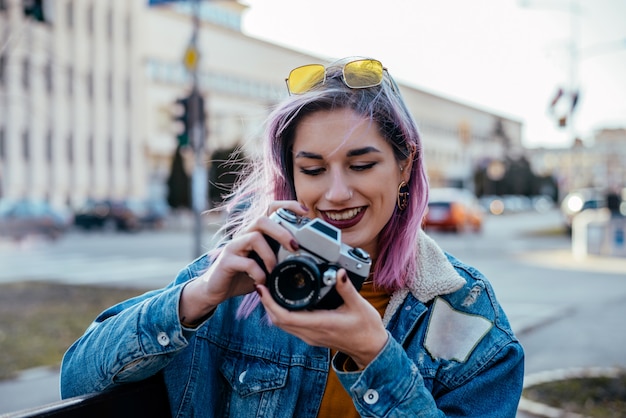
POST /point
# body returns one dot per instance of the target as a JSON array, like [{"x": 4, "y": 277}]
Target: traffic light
[
  {"x": 35, "y": 9},
  {"x": 189, "y": 113},
  {"x": 181, "y": 119}
]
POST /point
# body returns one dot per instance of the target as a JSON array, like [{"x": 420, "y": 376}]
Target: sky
[{"x": 505, "y": 56}]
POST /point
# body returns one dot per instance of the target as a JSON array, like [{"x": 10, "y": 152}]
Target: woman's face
[{"x": 346, "y": 173}]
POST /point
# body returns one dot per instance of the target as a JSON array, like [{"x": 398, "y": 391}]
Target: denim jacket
[{"x": 451, "y": 352}]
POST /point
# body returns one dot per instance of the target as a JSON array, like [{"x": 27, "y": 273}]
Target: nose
[{"x": 339, "y": 189}]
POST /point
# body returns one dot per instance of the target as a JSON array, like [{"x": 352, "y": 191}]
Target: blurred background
[
  {"x": 113, "y": 115},
  {"x": 122, "y": 122}
]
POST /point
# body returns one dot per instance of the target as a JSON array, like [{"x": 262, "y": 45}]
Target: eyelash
[{"x": 318, "y": 171}]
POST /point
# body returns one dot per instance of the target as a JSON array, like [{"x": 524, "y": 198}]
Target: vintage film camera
[{"x": 306, "y": 279}]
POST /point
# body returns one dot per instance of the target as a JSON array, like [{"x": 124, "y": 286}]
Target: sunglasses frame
[{"x": 343, "y": 76}]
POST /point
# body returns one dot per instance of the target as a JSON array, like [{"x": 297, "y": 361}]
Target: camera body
[{"x": 306, "y": 279}]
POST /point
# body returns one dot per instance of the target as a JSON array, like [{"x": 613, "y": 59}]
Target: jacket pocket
[{"x": 249, "y": 375}]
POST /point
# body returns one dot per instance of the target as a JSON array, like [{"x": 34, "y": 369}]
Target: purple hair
[{"x": 271, "y": 177}]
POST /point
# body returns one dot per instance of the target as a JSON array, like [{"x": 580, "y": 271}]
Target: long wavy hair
[{"x": 270, "y": 178}]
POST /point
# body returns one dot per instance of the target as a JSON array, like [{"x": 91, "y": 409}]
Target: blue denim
[{"x": 229, "y": 367}]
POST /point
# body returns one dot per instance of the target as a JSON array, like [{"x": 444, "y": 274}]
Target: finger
[
  {"x": 292, "y": 205},
  {"x": 345, "y": 288},
  {"x": 253, "y": 270},
  {"x": 270, "y": 228}
]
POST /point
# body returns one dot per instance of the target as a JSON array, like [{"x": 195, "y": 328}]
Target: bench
[{"x": 147, "y": 398}]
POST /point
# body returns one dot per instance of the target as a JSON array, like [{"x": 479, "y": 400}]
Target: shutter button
[
  {"x": 163, "y": 339},
  {"x": 370, "y": 397}
]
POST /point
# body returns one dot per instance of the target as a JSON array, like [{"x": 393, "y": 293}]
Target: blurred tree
[
  {"x": 178, "y": 183},
  {"x": 517, "y": 179}
]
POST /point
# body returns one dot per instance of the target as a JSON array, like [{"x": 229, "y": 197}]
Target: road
[
  {"x": 566, "y": 312},
  {"x": 146, "y": 259}
]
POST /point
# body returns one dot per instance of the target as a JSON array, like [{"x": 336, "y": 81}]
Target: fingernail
[
  {"x": 294, "y": 244},
  {"x": 344, "y": 277},
  {"x": 304, "y": 208}
]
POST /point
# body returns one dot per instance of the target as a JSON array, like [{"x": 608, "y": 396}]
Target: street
[{"x": 566, "y": 312}]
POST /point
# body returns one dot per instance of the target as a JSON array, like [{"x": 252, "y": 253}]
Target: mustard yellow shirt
[{"x": 336, "y": 401}]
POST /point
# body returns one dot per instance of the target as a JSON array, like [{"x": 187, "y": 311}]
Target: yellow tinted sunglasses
[{"x": 357, "y": 74}]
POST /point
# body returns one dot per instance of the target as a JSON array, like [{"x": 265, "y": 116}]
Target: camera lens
[{"x": 295, "y": 283}]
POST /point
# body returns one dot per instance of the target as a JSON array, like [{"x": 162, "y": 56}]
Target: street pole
[
  {"x": 573, "y": 66},
  {"x": 199, "y": 175}
]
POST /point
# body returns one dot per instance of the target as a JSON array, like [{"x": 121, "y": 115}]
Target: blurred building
[
  {"x": 601, "y": 165},
  {"x": 87, "y": 90},
  {"x": 71, "y": 91}
]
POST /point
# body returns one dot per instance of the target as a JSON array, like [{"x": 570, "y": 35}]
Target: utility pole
[{"x": 199, "y": 184}]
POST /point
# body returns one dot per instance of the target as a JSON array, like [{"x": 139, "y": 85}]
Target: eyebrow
[{"x": 352, "y": 153}]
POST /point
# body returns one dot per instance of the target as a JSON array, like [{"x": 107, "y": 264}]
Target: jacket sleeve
[
  {"x": 392, "y": 386},
  {"x": 129, "y": 341}
]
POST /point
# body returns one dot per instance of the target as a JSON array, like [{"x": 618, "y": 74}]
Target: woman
[{"x": 424, "y": 336}]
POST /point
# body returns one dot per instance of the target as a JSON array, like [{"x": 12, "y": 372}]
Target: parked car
[
  {"x": 26, "y": 217},
  {"x": 107, "y": 215},
  {"x": 152, "y": 214},
  {"x": 580, "y": 200},
  {"x": 454, "y": 210}
]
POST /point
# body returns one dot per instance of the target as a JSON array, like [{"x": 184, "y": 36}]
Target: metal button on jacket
[
  {"x": 163, "y": 339},
  {"x": 370, "y": 397}
]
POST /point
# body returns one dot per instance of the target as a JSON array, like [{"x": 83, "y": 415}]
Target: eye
[
  {"x": 311, "y": 171},
  {"x": 362, "y": 167}
]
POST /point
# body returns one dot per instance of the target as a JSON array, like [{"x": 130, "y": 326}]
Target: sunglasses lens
[
  {"x": 302, "y": 79},
  {"x": 363, "y": 73}
]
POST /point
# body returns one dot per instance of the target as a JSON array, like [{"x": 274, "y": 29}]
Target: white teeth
[{"x": 345, "y": 215}]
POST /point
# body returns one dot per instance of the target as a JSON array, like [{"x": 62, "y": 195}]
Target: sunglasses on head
[{"x": 357, "y": 74}]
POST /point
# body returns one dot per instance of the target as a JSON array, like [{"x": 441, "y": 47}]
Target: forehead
[{"x": 329, "y": 131}]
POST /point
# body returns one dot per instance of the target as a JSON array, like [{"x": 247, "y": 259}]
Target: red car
[{"x": 454, "y": 210}]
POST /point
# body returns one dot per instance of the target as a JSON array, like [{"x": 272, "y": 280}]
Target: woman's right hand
[{"x": 234, "y": 272}]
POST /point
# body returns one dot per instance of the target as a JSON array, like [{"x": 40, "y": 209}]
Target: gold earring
[{"x": 403, "y": 195}]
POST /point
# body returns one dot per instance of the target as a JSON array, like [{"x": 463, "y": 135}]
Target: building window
[
  {"x": 26, "y": 73},
  {"x": 49, "y": 146},
  {"x": 128, "y": 154},
  {"x": 26, "y": 145},
  {"x": 69, "y": 14},
  {"x": 128, "y": 92},
  {"x": 48, "y": 77},
  {"x": 90, "y": 19},
  {"x": 128, "y": 30},
  {"x": 110, "y": 87},
  {"x": 3, "y": 67},
  {"x": 90, "y": 150},
  {"x": 70, "y": 148},
  {"x": 110, "y": 151},
  {"x": 90, "y": 85},
  {"x": 2, "y": 144},
  {"x": 110, "y": 24},
  {"x": 70, "y": 81}
]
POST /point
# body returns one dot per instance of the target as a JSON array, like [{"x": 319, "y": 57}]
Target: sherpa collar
[{"x": 435, "y": 276}]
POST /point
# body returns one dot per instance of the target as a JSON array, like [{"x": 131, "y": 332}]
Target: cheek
[
  {"x": 390, "y": 200},
  {"x": 306, "y": 191}
]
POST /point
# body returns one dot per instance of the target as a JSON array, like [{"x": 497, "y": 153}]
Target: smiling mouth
[{"x": 344, "y": 215}]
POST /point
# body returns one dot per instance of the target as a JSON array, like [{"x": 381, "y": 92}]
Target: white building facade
[
  {"x": 86, "y": 99},
  {"x": 70, "y": 101}
]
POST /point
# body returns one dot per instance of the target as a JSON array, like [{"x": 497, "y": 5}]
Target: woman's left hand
[{"x": 355, "y": 328}]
